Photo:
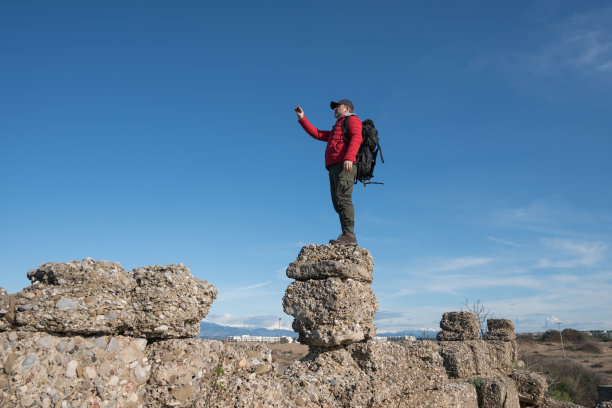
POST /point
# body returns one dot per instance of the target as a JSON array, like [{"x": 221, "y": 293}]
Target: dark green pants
[{"x": 341, "y": 187}]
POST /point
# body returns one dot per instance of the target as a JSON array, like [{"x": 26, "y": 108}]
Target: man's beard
[{"x": 337, "y": 114}]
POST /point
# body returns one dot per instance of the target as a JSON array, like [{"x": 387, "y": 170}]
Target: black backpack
[{"x": 366, "y": 156}]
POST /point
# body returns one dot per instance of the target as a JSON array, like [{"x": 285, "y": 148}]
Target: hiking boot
[
  {"x": 333, "y": 241},
  {"x": 346, "y": 238}
]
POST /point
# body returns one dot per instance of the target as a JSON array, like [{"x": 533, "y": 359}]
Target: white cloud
[
  {"x": 504, "y": 241},
  {"x": 225, "y": 319},
  {"x": 243, "y": 292},
  {"x": 543, "y": 215},
  {"x": 584, "y": 302},
  {"x": 580, "y": 44},
  {"x": 387, "y": 314},
  {"x": 585, "y": 41},
  {"x": 524, "y": 285},
  {"x": 393, "y": 321},
  {"x": 581, "y": 253},
  {"x": 565, "y": 278},
  {"x": 402, "y": 292},
  {"x": 580, "y": 299},
  {"x": 255, "y": 286},
  {"x": 605, "y": 67},
  {"x": 580, "y": 304},
  {"x": 453, "y": 264},
  {"x": 251, "y": 321},
  {"x": 428, "y": 278},
  {"x": 460, "y": 284}
]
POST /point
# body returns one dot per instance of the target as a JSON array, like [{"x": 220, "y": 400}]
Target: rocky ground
[
  {"x": 285, "y": 354},
  {"x": 598, "y": 359},
  {"x": 91, "y": 334}
]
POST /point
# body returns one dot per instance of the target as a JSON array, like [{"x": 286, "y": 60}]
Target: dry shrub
[
  {"x": 550, "y": 336},
  {"x": 590, "y": 348},
  {"x": 566, "y": 378},
  {"x": 527, "y": 338},
  {"x": 576, "y": 337},
  {"x": 569, "y": 336}
]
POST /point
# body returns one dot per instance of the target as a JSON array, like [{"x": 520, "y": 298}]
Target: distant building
[
  {"x": 258, "y": 339},
  {"x": 602, "y": 334},
  {"x": 394, "y": 338}
]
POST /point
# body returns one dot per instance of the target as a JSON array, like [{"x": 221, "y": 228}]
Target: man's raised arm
[{"x": 322, "y": 135}]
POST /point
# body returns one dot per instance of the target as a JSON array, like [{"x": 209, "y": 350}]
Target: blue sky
[{"x": 163, "y": 132}]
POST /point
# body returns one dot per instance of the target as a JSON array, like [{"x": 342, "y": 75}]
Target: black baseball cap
[{"x": 346, "y": 102}]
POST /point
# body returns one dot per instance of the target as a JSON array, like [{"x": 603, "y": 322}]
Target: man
[{"x": 340, "y": 161}]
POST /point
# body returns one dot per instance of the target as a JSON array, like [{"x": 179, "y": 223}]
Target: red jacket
[{"x": 337, "y": 151}]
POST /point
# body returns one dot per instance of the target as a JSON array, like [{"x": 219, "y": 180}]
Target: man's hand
[
  {"x": 300, "y": 112},
  {"x": 348, "y": 165}
]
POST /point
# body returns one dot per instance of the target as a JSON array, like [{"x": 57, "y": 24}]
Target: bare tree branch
[{"x": 482, "y": 313}]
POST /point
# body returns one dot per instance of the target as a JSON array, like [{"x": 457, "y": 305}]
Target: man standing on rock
[{"x": 340, "y": 161}]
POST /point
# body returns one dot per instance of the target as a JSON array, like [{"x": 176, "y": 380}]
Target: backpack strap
[
  {"x": 345, "y": 128},
  {"x": 379, "y": 151}
]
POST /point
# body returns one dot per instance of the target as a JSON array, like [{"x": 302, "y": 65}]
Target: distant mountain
[
  {"x": 415, "y": 333},
  {"x": 400, "y": 333},
  {"x": 217, "y": 332}
]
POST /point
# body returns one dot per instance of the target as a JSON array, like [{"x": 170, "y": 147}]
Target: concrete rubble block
[
  {"x": 43, "y": 370},
  {"x": 326, "y": 261},
  {"x": 498, "y": 392},
  {"x": 85, "y": 297},
  {"x": 208, "y": 373},
  {"x": 399, "y": 370},
  {"x": 459, "y": 395},
  {"x": 327, "y": 378},
  {"x": 169, "y": 302},
  {"x": 477, "y": 358},
  {"x": 101, "y": 298},
  {"x": 331, "y": 312},
  {"x": 500, "y": 329},
  {"x": 366, "y": 374},
  {"x": 531, "y": 386},
  {"x": 452, "y": 394},
  {"x": 459, "y": 326}
]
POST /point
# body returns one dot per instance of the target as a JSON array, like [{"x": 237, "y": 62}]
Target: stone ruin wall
[{"x": 90, "y": 334}]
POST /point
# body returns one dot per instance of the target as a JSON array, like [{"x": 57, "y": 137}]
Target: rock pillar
[
  {"x": 500, "y": 329},
  {"x": 331, "y": 299},
  {"x": 458, "y": 326}
]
